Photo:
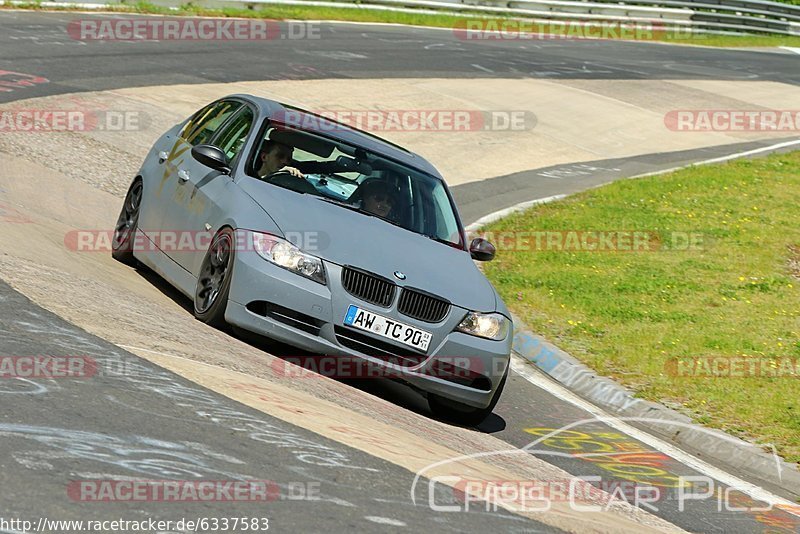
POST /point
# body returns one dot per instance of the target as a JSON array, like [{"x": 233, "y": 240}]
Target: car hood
[{"x": 346, "y": 237}]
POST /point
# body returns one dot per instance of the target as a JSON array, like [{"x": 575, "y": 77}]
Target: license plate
[{"x": 388, "y": 328}]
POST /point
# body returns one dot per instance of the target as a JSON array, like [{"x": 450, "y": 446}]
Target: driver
[{"x": 276, "y": 157}]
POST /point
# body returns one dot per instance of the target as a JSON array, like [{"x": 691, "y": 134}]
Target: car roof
[{"x": 343, "y": 132}]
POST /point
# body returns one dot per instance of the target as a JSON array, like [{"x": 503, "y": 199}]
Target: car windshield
[{"x": 356, "y": 179}]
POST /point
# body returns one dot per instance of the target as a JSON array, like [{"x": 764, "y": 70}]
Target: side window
[
  {"x": 232, "y": 138},
  {"x": 446, "y": 225},
  {"x": 201, "y": 128}
]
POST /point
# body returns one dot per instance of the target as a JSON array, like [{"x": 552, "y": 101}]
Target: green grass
[
  {"x": 627, "y": 314},
  {"x": 743, "y": 41},
  {"x": 284, "y": 12}
]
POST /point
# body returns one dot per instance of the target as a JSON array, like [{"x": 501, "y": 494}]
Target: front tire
[
  {"x": 127, "y": 223},
  {"x": 214, "y": 281},
  {"x": 463, "y": 414}
]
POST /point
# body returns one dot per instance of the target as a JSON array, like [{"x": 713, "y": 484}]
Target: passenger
[{"x": 377, "y": 198}]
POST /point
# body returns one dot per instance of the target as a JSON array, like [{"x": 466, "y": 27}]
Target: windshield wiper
[
  {"x": 349, "y": 206},
  {"x": 445, "y": 241},
  {"x": 352, "y": 207}
]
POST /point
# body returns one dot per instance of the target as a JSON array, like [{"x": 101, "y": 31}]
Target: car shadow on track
[{"x": 393, "y": 391}]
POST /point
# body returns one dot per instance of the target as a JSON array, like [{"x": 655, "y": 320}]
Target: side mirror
[
  {"x": 481, "y": 250},
  {"x": 212, "y": 157}
]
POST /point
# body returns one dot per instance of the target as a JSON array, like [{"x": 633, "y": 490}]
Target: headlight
[
  {"x": 488, "y": 325},
  {"x": 284, "y": 254}
]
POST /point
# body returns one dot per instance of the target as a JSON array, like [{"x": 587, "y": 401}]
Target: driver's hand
[{"x": 293, "y": 171}]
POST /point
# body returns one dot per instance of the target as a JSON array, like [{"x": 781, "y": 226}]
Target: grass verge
[
  {"x": 286, "y": 12},
  {"x": 633, "y": 315}
]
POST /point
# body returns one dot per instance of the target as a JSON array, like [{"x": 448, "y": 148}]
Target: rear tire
[
  {"x": 463, "y": 414},
  {"x": 214, "y": 281},
  {"x": 127, "y": 224}
]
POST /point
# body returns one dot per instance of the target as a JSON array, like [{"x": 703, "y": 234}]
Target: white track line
[
  {"x": 494, "y": 216},
  {"x": 724, "y": 158},
  {"x": 750, "y": 152},
  {"x": 497, "y": 215},
  {"x": 524, "y": 369}
]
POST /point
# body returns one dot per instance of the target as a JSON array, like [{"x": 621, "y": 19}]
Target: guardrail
[
  {"x": 721, "y": 16},
  {"x": 700, "y": 16}
]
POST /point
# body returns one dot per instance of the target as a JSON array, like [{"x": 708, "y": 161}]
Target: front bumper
[{"x": 284, "y": 306}]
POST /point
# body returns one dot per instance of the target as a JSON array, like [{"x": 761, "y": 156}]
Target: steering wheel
[{"x": 290, "y": 181}]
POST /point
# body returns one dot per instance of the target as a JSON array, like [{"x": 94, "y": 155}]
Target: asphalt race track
[
  {"x": 154, "y": 424},
  {"x": 154, "y": 440},
  {"x": 38, "y": 44}
]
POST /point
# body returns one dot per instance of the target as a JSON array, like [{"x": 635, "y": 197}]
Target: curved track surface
[
  {"x": 38, "y": 44},
  {"x": 372, "y": 448}
]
